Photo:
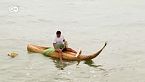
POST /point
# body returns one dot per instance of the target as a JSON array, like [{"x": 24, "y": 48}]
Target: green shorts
[
  {"x": 48, "y": 51},
  {"x": 59, "y": 46}
]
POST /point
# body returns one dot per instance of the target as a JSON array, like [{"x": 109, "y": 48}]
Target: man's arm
[{"x": 54, "y": 45}]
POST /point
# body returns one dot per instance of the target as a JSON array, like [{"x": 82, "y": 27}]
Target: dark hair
[{"x": 58, "y": 32}]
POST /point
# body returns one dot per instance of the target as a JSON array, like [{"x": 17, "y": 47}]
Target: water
[{"x": 86, "y": 24}]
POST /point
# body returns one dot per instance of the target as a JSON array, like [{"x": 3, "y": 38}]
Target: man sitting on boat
[{"x": 60, "y": 45}]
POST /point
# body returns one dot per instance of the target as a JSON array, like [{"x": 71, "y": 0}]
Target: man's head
[{"x": 58, "y": 34}]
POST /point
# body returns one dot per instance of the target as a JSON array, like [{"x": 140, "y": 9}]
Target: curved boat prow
[
  {"x": 88, "y": 57},
  {"x": 96, "y": 54}
]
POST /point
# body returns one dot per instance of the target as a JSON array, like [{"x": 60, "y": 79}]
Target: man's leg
[
  {"x": 68, "y": 49},
  {"x": 60, "y": 55},
  {"x": 71, "y": 50}
]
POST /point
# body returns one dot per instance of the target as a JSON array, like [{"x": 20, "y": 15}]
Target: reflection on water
[
  {"x": 91, "y": 64},
  {"x": 61, "y": 66}
]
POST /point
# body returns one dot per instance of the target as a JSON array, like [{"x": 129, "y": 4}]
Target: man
[{"x": 60, "y": 44}]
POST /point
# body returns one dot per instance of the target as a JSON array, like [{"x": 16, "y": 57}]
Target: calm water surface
[{"x": 86, "y": 24}]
